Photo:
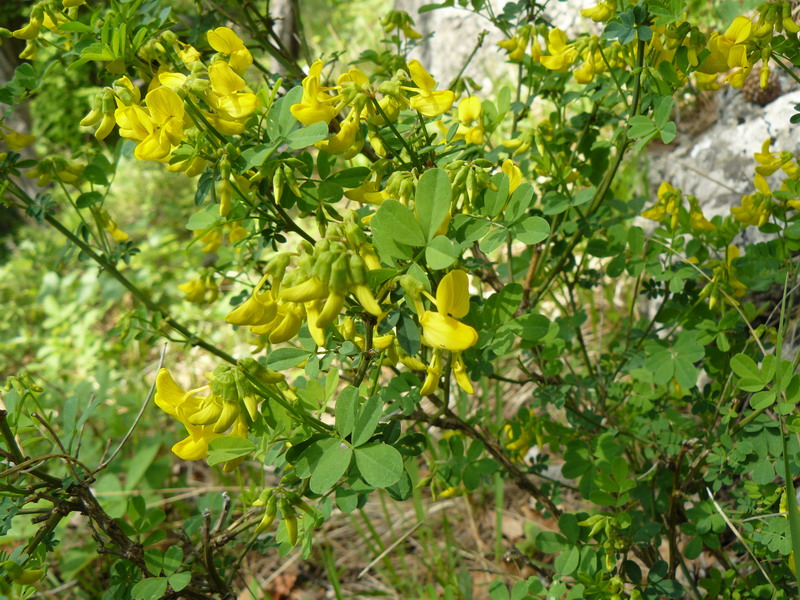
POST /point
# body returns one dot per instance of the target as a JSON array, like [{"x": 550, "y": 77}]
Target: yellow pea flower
[
  {"x": 176, "y": 402},
  {"x": 696, "y": 218},
  {"x": 562, "y": 55},
  {"x": 15, "y": 140},
  {"x": 470, "y": 118},
  {"x": 441, "y": 329},
  {"x": 259, "y": 309},
  {"x": 603, "y": 11},
  {"x": 157, "y": 129},
  {"x": 227, "y": 87},
  {"x": 346, "y": 139},
  {"x": 514, "y": 174},
  {"x": 315, "y": 105},
  {"x": 428, "y": 101},
  {"x": 754, "y": 210},
  {"x": 225, "y": 41}
]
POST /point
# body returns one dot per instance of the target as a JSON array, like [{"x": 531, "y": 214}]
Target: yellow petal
[
  {"x": 238, "y": 106},
  {"x": 258, "y": 309},
  {"x": 241, "y": 59},
  {"x": 222, "y": 39},
  {"x": 460, "y": 371},
  {"x": 172, "y": 80},
  {"x": 420, "y": 76},
  {"x": 190, "y": 449},
  {"x": 446, "y": 333},
  {"x": 164, "y": 104},
  {"x": 169, "y": 395},
  {"x": 514, "y": 174},
  {"x": 469, "y": 110},
  {"x": 224, "y": 81},
  {"x": 434, "y": 103},
  {"x": 452, "y": 295}
]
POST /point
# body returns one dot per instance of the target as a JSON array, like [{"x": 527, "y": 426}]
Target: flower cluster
[
  {"x": 353, "y": 89},
  {"x": 669, "y": 209},
  {"x": 756, "y": 208},
  {"x": 231, "y": 404},
  {"x": 165, "y": 117}
]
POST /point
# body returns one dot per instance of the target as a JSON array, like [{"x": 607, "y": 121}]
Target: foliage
[{"x": 363, "y": 268}]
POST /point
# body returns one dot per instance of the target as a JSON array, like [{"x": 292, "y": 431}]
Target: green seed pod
[
  {"x": 357, "y": 269},
  {"x": 278, "y": 180},
  {"x": 265, "y": 495},
  {"x": 269, "y": 514},
  {"x": 472, "y": 186},
  {"x": 322, "y": 266},
  {"x": 290, "y": 179},
  {"x": 355, "y": 235},
  {"x": 290, "y": 519},
  {"x": 339, "y": 279}
]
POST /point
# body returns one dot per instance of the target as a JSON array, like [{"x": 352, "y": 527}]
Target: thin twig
[{"x": 104, "y": 463}]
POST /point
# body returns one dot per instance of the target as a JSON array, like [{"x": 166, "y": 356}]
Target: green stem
[
  {"x": 401, "y": 139},
  {"x": 604, "y": 186}
]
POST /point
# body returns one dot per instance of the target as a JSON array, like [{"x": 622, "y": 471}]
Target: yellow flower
[
  {"x": 754, "y": 210},
  {"x": 346, "y": 140},
  {"x": 441, "y": 329},
  {"x": 562, "y": 55},
  {"x": 259, "y": 309},
  {"x": 514, "y": 174},
  {"x": 225, "y": 41},
  {"x": 669, "y": 203},
  {"x": 15, "y": 140},
  {"x": 428, "y": 101},
  {"x": 157, "y": 129},
  {"x": 315, "y": 105},
  {"x": 696, "y": 218},
  {"x": 470, "y": 117},
  {"x": 174, "y": 401},
  {"x": 603, "y": 11},
  {"x": 227, "y": 88}
]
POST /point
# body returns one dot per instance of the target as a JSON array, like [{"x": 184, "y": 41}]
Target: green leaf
[
  {"x": 307, "y": 136},
  {"x": 745, "y": 367},
  {"x": 521, "y": 200},
  {"x": 669, "y": 132},
  {"x": 88, "y": 199},
  {"x": 762, "y": 400},
  {"x": 349, "y": 178},
  {"x": 567, "y": 562},
  {"x": 203, "y": 220},
  {"x": 441, "y": 252},
  {"x": 380, "y": 465},
  {"x": 395, "y": 230},
  {"x": 550, "y": 542},
  {"x": 568, "y": 524},
  {"x": 496, "y": 238},
  {"x": 151, "y": 588},
  {"x": 280, "y": 120},
  {"x": 432, "y": 201},
  {"x": 367, "y": 420},
  {"x": 173, "y": 559},
  {"x": 641, "y": 126},
  {"x": 178, "y": 581},
  {"x": 531, "y": 327},
  {"x": 532, "y": 230},
  {"x": 228, "y": 447},
  {"x": 346, "y": 405},
  {"x": 495, "y": 200},
  {"x": 331, "y": 466},
  {"x": 286, "y": 358},
  {"x": 257, "y": 155}
]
